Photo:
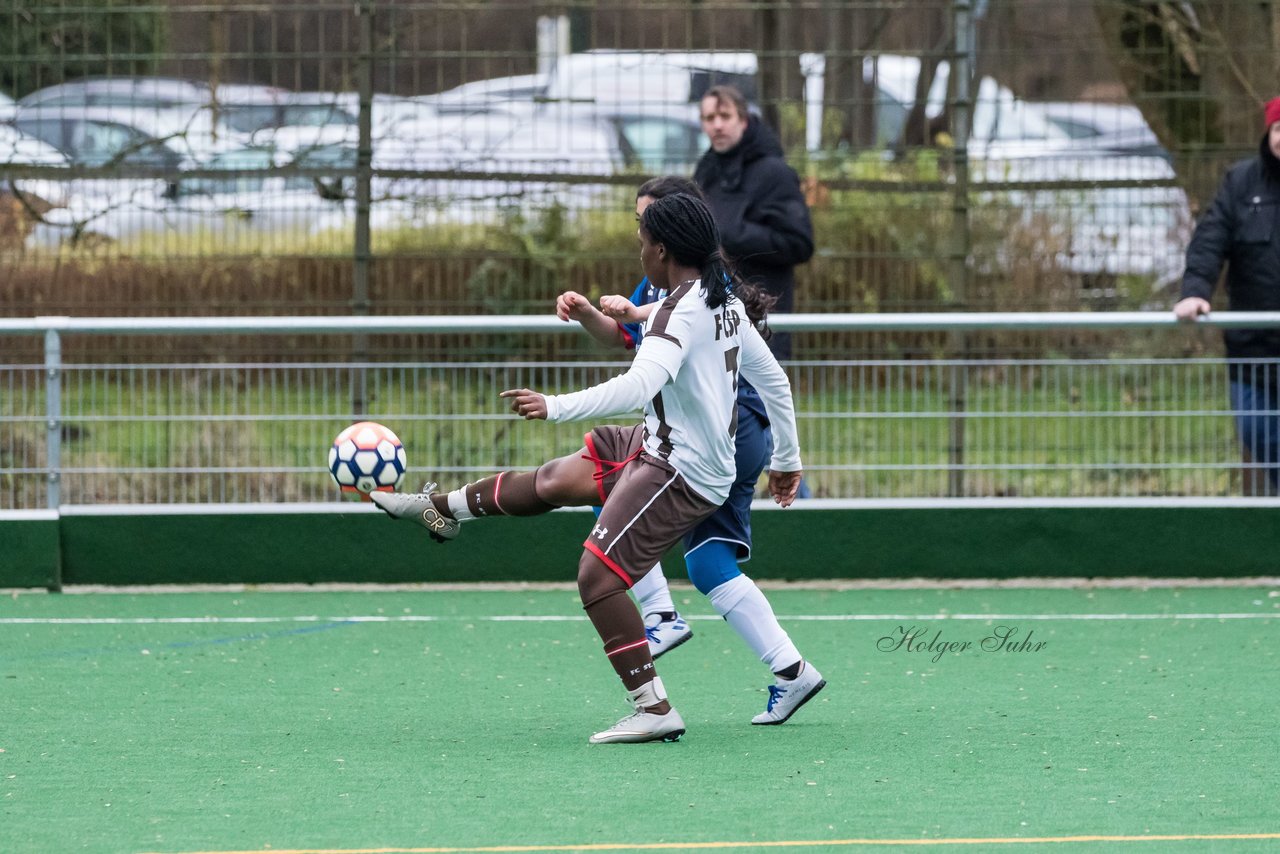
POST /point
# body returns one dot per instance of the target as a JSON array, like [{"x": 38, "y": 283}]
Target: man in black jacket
[
  {"x": 1241, "y": 228},
  {"x": 756, "y": 199}
]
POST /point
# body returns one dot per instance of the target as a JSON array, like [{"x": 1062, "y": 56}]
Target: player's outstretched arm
[
  {"x": 572, "y": 305},
  {"x": 622, "y": 394}
]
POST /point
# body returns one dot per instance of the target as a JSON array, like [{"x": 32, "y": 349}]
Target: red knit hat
[{"x": 1272, "y": 112}]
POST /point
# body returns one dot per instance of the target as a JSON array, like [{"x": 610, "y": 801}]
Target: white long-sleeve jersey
[{"x": 685, "y": 376}]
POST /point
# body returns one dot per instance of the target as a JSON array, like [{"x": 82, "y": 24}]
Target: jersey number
[{"x": 731, "y": 365}]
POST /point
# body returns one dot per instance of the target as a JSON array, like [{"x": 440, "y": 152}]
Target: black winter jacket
[
  {"x": 760, "y": 210},
  {"x": 1242, "y": 228}
]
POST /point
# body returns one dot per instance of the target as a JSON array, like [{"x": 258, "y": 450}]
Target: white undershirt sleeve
[
  {"x": 622, "y": 394},
  {"x": 758, "y": 367}
]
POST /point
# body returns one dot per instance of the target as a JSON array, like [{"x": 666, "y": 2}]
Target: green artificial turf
[{"x": 282, "y": 732}]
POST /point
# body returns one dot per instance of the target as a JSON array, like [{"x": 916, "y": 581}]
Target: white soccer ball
[{"x": 367, "y": 457}]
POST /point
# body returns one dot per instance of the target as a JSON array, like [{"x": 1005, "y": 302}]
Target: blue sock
[{"x": 712, "y": 564}]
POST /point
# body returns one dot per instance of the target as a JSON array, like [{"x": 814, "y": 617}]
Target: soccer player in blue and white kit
[
  {"x": 659, "y": 478},
  {"x": 715, "y": 547}
]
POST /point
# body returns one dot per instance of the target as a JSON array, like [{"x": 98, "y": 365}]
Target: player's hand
[
  {"x": 526, "y": 403},
  {"x": 619, "y": 308},
  {"x": 1190, "y": 308},
  {"x": 572, "y": 305},
  {"x": 783, "y": 486}
]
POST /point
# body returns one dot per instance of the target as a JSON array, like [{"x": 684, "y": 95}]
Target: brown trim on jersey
[
  {"x": 659, "y": 330},
  {"x": 665, "y": 337},
  {"x": 731, "y": 365},
  {"x": 664, "y": 429},
  {"x": 659, "y": 326}
]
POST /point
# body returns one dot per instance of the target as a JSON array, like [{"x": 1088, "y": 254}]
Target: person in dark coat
[
  {"x": 1241, "y": 228},
  {"x": 756, "y": 199}
]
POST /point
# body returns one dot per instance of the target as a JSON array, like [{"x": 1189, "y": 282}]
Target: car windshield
[{"x": 661, "y": 144}]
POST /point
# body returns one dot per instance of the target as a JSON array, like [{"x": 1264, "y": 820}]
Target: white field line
[
  {"x": 577, "y": 618},
  {"x": 830, "y": 585}
]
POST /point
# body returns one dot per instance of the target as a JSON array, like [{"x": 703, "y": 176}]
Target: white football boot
[
  {"x": 788, "y": 695},
  {"x": 644, "y": 726},
  {"x": 418, "y": 507},
  {"x": 665, "y": 635}
]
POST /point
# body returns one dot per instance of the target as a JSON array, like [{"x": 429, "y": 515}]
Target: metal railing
[{"x": 75, "y": 434}]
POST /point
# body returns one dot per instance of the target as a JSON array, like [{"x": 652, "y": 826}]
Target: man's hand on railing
[{"x": 1191, "y": 308}]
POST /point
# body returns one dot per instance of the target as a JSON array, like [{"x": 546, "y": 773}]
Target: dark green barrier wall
[
  {"x": 29, "y": 554},
  {"x": 314, "y": 548},
  {"x": 361, "y": 545},
  {"x": 992, "y": 542}
]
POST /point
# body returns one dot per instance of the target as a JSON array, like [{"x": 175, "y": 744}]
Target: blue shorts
[{"x": 732, "y": 522}]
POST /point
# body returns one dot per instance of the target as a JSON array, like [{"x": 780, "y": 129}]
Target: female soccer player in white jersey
[
  {"x": 714, "y": 548},
  {"x": 656, "y": 479}
]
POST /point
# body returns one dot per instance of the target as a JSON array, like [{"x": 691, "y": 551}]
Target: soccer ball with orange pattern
[{"x": 367, "y": 457}]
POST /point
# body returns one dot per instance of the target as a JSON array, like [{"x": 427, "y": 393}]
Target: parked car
[
  {"x": 390, "y": 113},
  {"x": 609, "y": 78},
  {"x": 646, "y": 77},
  {"x": 1002, "y": 124},
  {"x": 198, "y": 120},
  {"x": 152, "y": 92},
  {"x": 1107, "y": 128},
  {"x": 259, "y": 114},
  {"x": 650, "y": 99},
  {"x": 480, "y": 94},
  {"x": 482, "y": 167},
  {"x": 96, "y": 136},
  {"x": 1087, "y": 221},
  {"x": 245, "y": 204},
  {"x": 648, "y": 137}
]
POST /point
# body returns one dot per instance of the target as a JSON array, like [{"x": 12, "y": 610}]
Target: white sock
[
  {"x": 458, "y": 504},
  {"x": 749, "y": 613},
  {"x": 649, "y": 694},
  {"x": 651, "y": 592}
]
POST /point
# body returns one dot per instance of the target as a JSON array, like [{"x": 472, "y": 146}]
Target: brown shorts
[{"x": 648, "y": 506}]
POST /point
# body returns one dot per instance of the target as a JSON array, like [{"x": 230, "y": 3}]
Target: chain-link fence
[{"x": 384, "y": 157}]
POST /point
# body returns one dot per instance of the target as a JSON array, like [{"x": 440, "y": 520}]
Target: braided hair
[{"x": 683, "y": 224}]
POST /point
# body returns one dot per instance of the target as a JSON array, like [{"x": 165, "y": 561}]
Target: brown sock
[
  {"x": 622, "y": 630},
  {"x": 511, "y": 493}
]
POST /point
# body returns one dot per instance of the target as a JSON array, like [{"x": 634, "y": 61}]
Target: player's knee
[
  {"x": 557, "y": 484},
  {"x": 596, "y": 580},
  {"x": 712, "y": 564}
]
